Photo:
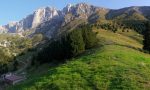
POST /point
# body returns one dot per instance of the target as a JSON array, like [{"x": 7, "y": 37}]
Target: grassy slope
[{"x": 116, "y": 64}]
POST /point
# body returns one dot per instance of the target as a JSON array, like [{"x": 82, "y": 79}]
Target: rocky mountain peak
[
  {"x": 81, "y": 10},
  {"x": 43, "y": 15},
  {"x": 83, "y": 5},
  {"x": 53, "y": 19},
  {"x": 10, "y": 24},
  {"x": 1, "y": 28},
  {"x": 67, "y": 8}
]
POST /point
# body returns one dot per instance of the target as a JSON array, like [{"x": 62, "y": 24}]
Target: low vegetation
[
  {"x": 13, "y": 46},
  {"x": 115, "y": 64},
  {"x": 105, "y": 51}
]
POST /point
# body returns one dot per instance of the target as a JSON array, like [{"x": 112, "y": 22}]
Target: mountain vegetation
[
  {"x": 69, "y": 45},
  {"x": 82, "y": 47},
  {"x": 13, "y": 46},
  {"x": 116, "y": 63},
  {"x": 146, "y": 41}
]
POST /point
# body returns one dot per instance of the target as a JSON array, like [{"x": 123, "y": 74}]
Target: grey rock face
[
  {"x": 49, "y": 20},
  {"x": 69, "y": 13},
  {"x": 32, "y": 21}
]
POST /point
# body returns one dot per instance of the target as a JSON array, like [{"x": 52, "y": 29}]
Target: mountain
[
  {"x": 116, "y": 62},
  {"x": 51, "y": 17},
  {"x": 50, "y": 21},
  {"x": 126, "y": 13},
  {"x": 2, "y": 29},
  {"x": 33, "y": 20},
  {"x": 70, "y": 13}
]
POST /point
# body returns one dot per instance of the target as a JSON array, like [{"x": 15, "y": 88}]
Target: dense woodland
[
  {"x": 146, "y": 41},
  {"x": 84, "y": 48},
  {"x": 111, "y": 65},
  {"x": 114, "y": 25},
  {"x": 69, "y": 45}
]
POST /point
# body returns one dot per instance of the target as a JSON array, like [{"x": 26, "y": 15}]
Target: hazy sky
[{"x": 15, "y": 10}]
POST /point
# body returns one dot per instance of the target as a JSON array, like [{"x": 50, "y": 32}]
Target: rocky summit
[
  {"x": 49, "y": 20},
  {"x": 49, "y": 14}
]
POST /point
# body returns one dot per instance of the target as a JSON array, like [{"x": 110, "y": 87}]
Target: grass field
[{"x": 116, "y": 64}]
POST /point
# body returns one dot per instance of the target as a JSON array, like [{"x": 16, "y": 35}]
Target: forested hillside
[
  {"x": 81, "y": 47},
  {"x": 115, "y": 63}
]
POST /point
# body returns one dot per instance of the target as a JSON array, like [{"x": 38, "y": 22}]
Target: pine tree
[
  {"x": 33, "y": 61},
  {"x": 89, "y": 36},
  {"x": 3, "y": 68},
  {"x": 146, "y": 41},
  {"x": 15, "y": 64},
  {"x": 69, "y": 45},
  {"x": 75, "y": 44}
]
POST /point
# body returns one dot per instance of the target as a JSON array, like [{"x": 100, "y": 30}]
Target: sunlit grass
[{"x": 111, "y": 66}]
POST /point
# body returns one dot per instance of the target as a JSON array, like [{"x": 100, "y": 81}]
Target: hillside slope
[
  {"x": 117, "y": 63},
  {"x": 49, "y": 20}
]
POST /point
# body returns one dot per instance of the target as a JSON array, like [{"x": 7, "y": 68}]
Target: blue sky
[{"x": 15, "y": 10}]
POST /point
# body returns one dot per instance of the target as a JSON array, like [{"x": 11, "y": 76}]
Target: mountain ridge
[{"x": 49, "y": 16}]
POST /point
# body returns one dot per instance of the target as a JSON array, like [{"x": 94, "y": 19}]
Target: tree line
[
  {"x": 125, "y": 25},
  {"x": 69, "y": 45},
  {"x": 146, "y": 35}
]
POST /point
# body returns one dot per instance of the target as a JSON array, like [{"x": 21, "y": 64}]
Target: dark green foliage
[
  {"x": 146, "y": 41},
  {"x": 107, "y": 26},
  {"x": 31, "y": 49},
  {"x": 21, "y": 54},
  {"x": 3, "y": 68},
  {"x": 69, "y": 45},
  {"x": 15, "y": 65},
  {"x": 75, "y": 43},
  {"x": 114, "y": 25},
  {"x": 89, "y": 36},
  {"x": 5, "y": 60},
  {"x": 55, "y": 50},
  {"x": 33, "y": 61},
  {"x": 136, "y": 25}
]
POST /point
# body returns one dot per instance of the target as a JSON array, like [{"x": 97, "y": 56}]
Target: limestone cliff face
[
  {"x": 49, "y": 21},
  {"x": 31, "y": 21},
  {"x": 68, "y": 14}
]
